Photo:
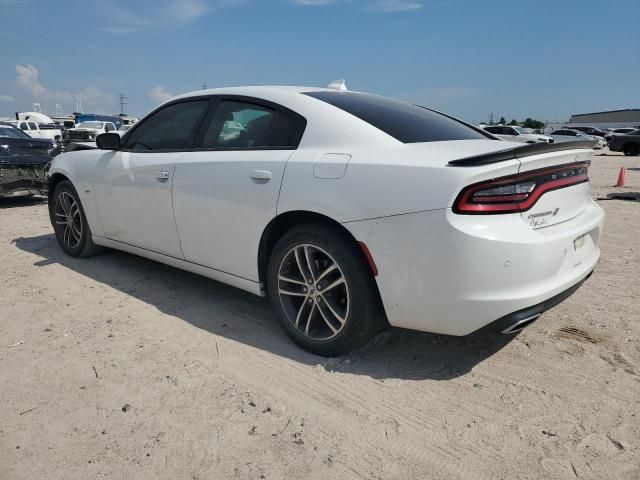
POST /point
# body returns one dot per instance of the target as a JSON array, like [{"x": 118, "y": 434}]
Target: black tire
[
  {"x": 73, "y": 243},
  {"x": 364, "y": 315},
  {"x": 630, "y": 149}
]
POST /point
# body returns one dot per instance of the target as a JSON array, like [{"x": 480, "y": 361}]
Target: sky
[{"x": 544, "y": 59}]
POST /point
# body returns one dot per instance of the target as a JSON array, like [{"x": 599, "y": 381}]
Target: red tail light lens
[{"x": 520, "y": 192}]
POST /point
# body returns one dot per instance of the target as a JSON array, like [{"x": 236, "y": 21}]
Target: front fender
[{"x": 78, "y": 168}]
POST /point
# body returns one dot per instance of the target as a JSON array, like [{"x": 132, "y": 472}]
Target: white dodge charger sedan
[{"x": 349, "y": 211}]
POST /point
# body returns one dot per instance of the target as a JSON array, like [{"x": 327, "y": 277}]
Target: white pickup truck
[{"x": 35, "y": 130}]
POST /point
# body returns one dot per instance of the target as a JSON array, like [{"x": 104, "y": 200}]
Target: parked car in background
[
  {"x": 569, "y": 135},
  {"x": 618, "y": 131},
  {"x": 360, "y": 230},
  {"x": 88, "y": 131},
  {"x": 517, "y": 134},
  {"x": 36, "y": 130},
  {"x": 628, "y": 143},
  {"x": 23, "y": 162},
  {"x": 123, "y": 129},
  {"x": 593, "y": 131}
]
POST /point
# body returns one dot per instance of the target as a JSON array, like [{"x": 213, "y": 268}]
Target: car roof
[{"x": 324, "y": 121}]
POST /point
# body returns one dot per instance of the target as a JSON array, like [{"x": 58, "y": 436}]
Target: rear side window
[
  {"x": 172, "y": 128},
  {"x": 405, "y": 122},
  {"x": 244, "y": 125},
  {"x": 239, "y": 125}
]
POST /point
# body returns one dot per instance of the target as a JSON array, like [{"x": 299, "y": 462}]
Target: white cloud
[
  {"x": 391, "y": 6},
  {"x": 93, "y": 98},
  {"x": 6, "y": 98},
  {"x": 166, "y": 13},
  {"x": 159, "y": 94},
  {"x": 186, "y": 11},
  {"x": 313, "y": 3}
]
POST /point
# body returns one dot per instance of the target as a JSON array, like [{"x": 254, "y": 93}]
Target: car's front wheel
[
  {"x": 323, "y": 290},
  {"x": 69, "y": 222}
]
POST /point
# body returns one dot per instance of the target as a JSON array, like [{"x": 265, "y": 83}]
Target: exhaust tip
[{"x": 520, "y": 324}]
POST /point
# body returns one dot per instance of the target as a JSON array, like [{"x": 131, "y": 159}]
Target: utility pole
[
  {"x": 122, "y": 103},
  {"x": 204, "y": 85},
  {"x": 491, "y": 119},
  {"x": 79, "y": 108}
]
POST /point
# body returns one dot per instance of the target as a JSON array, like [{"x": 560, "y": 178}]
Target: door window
[
  {"x": 172, "y": 128},
  {"x": 33, "y": 126},
  {"x": 239, "y": 125},
  {"x": 23, "y": 126}
]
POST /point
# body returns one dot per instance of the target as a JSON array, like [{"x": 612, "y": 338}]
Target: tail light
[{"x": 519, "y": 192}]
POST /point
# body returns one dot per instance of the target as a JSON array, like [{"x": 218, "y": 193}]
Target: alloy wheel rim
[
  {"x": 313, "y": 292},
  {"x": 68, "y": 218}
]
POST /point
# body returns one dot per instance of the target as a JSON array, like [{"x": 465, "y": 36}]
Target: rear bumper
[
  {"x": 516, "y": 321},
  {"x": 455, "y": 274}
]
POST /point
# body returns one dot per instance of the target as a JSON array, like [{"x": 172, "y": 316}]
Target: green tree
[
  {"x": 514, "y": 122},
  {"x": 532, "y": 123},
  {"x": 503, "y": 121}
]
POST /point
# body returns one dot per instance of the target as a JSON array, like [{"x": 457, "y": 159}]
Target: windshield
[
  {"x": 96, "y": 125},
  {"x": 124, "y": 128},
  {"x": 10, "y": 132},
  {"x": 521, "y": 131}
]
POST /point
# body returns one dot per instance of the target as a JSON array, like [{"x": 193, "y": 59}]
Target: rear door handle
[
  {"x": 260, "y": 174},
  {"x": 162, "y": 175}
]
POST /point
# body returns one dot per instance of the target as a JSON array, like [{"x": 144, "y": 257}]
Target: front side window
[
  {"x": 33, "y": 126},
  {"x": 494, "y": 130},
  {"x": 405, "y": 122},
  {"x": 239, "y": 125},
  {"x": 172, "y": 128},
  {"x": 23, "y": 126}
]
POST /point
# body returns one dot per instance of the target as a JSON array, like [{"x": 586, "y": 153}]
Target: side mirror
[{"x": 108, "y": 141}]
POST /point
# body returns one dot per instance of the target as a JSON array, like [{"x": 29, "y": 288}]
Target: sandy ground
[{"x": 214, "y": 390}]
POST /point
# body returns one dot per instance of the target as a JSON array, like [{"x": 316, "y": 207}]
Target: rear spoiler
[{"x": 526, "y": 150}]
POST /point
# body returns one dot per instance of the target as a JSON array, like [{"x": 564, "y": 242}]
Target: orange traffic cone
[{"x": 621, "y": 178}]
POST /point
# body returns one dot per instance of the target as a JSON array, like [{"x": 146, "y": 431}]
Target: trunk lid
[{"x": 561, "y": 203}]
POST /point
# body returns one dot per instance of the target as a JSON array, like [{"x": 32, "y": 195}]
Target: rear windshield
[{"x": 405, "y": 122}]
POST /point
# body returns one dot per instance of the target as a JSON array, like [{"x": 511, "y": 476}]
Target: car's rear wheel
[
  {"x": 630, "y": 149},
  {"x": 69, "y": 222},
  {"x": 323, "y": 290}
]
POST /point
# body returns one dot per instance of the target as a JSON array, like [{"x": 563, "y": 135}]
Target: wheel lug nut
[{"x": 310, "y": 301}]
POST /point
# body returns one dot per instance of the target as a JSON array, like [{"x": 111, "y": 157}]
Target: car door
[
  {"x": 226, "y": 192},
  {"x": 510, "y": 134},
  {"x": 133, "y": 184},
  {"x": 562, "y": 136}
]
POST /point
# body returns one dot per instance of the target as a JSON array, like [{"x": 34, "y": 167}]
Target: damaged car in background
[{"x": 24, "y": 162}]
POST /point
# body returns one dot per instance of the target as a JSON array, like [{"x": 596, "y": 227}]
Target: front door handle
[
  {"x": 260, "y": 174},
  {"x": 162, "y": 175}
]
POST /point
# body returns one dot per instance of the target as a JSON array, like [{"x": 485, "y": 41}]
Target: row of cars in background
[
  {"x": 626, "y": 140},
  {"x": 514, "y": 133}
]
